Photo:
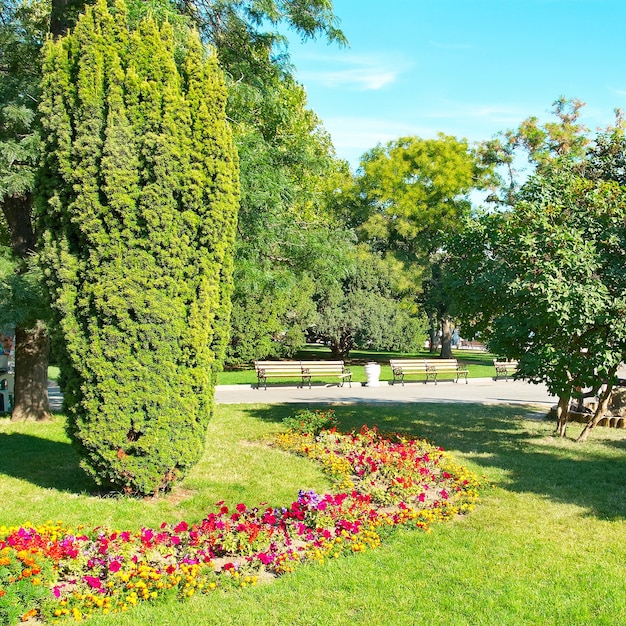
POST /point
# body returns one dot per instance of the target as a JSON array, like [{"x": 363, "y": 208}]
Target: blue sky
[{"x": 468, "y": 68}]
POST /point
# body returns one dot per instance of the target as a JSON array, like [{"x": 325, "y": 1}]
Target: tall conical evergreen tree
[{"x": 141, "y": 195}]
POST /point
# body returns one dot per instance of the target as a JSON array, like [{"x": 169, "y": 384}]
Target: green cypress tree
[{"x": 141, "y": 195}]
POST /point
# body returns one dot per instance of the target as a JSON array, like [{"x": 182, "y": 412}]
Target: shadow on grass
[
  {"x": 591, "y": 475},
  {"x": 42, "y": 462}
]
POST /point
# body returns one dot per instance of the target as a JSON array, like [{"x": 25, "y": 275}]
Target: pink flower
[
  {"x": 92, "y": 581},
  {"x": 241, "y": 508},
  {"x": 115, "y": 566},
  {"x": 181, "y": 528}
]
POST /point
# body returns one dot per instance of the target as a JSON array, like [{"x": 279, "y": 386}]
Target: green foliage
[
  {"x": 538, "y": 143},
  {"x": 271, "y": 312},
  {"x": 361, "y": 309},
  {"x": 409, "y": 196},
  {"x": 22, "y": 30},
  {"x": 22, "y": 293},
  {"x": 25, "y": 580},
  {"x": 286, "y": 236},
  {"x": 546, "y": 280},
  {"x": 310, "y": 422},
  {"x": 415, "y": 189},
  {"x": 248, "y": 33},
  {"x": 141, "y": 193}
]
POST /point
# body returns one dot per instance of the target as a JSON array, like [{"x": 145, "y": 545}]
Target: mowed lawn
[{"x": 546, "y": 544}]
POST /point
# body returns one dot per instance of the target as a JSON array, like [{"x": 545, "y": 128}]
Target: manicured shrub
[{"x": 138, "y": 214}]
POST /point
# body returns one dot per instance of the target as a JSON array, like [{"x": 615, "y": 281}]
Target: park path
[{"x": 477, "y": 390}]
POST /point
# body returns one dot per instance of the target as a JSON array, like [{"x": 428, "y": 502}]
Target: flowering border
[{"x": 381, "y": 482}]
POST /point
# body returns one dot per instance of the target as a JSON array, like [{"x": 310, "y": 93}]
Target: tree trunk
[
  {"x": 17, "y": 212},
  {"x": 31, "y": 374},
  {"x": 599, "y": 414},
  {"x": 32, "y": 345},
  {"x": 63, "y": 15},
  {"x": 446, "y": 338},
  {"x": 340, "y": 347},
  {"x": 561, "y": 415},
  {"x": 432, "y": 332}
]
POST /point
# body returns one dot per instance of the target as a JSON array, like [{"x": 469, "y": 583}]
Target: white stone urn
[{"x": 372, "y": 373}]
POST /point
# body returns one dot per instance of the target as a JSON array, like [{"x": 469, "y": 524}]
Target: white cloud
[
  {"x": 361, "y": 73},
  {"x": 459, "y": 111},
  {"x": 353, "y": 136}
]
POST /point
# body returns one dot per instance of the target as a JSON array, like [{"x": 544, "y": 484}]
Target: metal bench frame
[{"x": 504, "y": 369}]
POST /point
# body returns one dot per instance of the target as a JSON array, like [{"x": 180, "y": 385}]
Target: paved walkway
[{"x": 477, "y": 390}]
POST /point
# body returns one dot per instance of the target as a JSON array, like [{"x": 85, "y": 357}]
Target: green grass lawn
[
  {"x": 546, "y": 544},
  {"x": 479, "y": 364}
]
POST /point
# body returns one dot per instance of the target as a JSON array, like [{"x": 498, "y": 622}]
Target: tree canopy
[
  {"x": 545, "y": 281},
  {"x": 410, "y": 195}
]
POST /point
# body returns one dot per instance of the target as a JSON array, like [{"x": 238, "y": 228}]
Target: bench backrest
[
  {"x": 444, "y": 363},
  {"x": 278, "y": 366},
  {"x": 318, "y": 367},
  {"x": 504, "y": 363},
  {"x": 416, "y": 365},
  {"x": 323, "y": 367}
]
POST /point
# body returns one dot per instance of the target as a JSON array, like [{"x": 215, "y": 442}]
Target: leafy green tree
[
  {"x": 546, "y": 282},
  {"x": 285, "y": 154},
  {"x": 536, "y": 144},
  {"x": 249, "y": 34},
  {"x": 141, "y": 189},
  {"x": 287, "y": 236},
  {"x": 361, "y": 309},
  {"x": 411, "y": 194},
  {"x": 22, "y": 29}
]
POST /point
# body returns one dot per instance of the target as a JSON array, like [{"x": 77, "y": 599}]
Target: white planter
[{"x": 372, "y": 373}]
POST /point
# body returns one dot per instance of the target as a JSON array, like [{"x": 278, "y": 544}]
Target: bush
[
  {"x": 141, "y": 190},
  {"x": 310, "y": 422}
]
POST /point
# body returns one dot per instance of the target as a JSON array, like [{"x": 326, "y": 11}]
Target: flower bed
[{"x": 53, "y": 572}]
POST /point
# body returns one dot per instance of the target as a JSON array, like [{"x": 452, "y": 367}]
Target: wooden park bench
[
  {"x": 504, "y": 369},
  {"x": 449, "y": 367},
  {"x": 409, "y": 367},
  {"x": 429, "y": 368},
  {"x": 305, "y": 370}
]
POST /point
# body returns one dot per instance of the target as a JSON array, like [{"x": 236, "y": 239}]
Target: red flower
[
  {"x": 241, "y": 508},
  {"x": 181, "y": 528}
]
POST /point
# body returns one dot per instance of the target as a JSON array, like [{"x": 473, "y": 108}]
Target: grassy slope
[{"x": 545, "y": 546}]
